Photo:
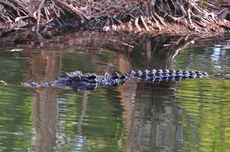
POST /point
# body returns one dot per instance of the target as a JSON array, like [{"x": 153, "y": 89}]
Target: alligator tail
[{"x": 164, "y": 75}]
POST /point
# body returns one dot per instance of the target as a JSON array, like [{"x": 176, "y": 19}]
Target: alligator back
[
  {"x": 80, "y": 81},
  {"x": 165, "y": 75}
]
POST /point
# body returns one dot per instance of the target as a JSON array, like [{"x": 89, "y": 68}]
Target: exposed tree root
[{"x": 137, "y": 15}]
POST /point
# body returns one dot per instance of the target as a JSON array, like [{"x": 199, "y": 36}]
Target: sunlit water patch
[{"x": 206, "y": 118}]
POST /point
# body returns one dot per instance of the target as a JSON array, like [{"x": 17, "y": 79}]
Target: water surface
[{"x": 192, "y": 115}]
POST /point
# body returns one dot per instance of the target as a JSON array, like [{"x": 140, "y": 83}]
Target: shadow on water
[{"x": 134, "y": 117}]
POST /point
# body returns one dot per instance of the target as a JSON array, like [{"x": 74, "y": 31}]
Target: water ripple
[{"x": 206, "y": 111}]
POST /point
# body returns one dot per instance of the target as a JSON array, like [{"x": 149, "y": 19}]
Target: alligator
[{"x": 89, "y": 81}]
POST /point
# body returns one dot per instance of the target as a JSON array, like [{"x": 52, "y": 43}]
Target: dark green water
[{"x": 192, "y": 115}]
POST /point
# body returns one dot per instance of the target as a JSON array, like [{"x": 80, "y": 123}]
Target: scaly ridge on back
[
  {"x": 164, "y": 75},
  {"x": 80, "y": 81}
]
